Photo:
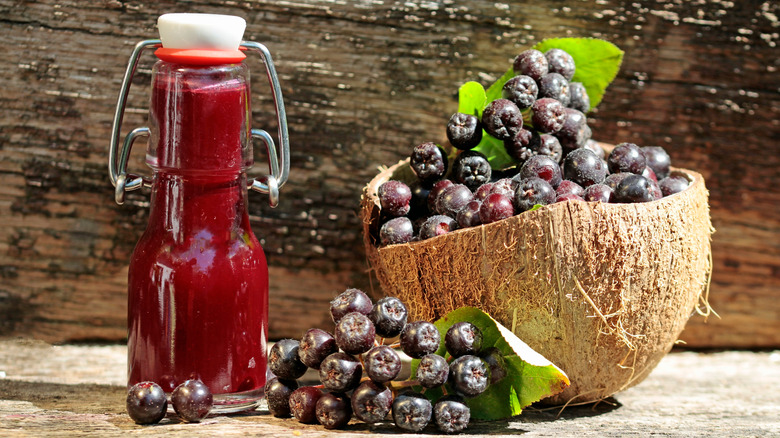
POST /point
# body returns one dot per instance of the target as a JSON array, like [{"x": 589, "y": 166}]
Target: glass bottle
[{"x": 198, "y": 277}]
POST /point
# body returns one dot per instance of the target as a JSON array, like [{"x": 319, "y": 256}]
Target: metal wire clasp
[{"x": 278, "y": 165}]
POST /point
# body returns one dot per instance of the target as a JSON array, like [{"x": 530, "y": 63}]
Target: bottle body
[{"x": 198, "y": 278}]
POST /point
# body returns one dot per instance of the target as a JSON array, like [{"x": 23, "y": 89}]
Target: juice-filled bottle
[{"x": 198, "y": 278}]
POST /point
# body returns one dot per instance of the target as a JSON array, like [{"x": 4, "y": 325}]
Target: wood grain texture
[
  {"x": 724, "y": 397},
  {"x": 363, "y": 83}
]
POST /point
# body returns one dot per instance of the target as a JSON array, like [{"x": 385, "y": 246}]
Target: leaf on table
[{"x": 530, "y": 377}]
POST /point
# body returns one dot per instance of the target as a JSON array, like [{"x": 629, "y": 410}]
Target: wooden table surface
[{"x": 78, "y": 390}]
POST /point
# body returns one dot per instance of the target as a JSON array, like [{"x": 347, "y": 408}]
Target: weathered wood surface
[
  {"x": 53, "y": 391},
  {"x": 363, "y": 83}
]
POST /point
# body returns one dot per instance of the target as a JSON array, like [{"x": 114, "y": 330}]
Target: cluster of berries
[
  {"x": 147, "y": 403},
  {"x": 541, "y": 93},
  {"x": 556, "y": 160},
  {"x": 357, "y": 349}
]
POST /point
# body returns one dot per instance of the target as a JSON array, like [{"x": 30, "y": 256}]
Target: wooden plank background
[{"x": 365, "y": 81}]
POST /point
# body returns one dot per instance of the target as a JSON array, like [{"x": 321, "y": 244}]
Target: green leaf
[
  {"x": 471, "y": 98},
  {"x": 495, "y": 152},
  {"x": 494, "y": 91},
  {"x": 597, "y": 62},
  {"x": 530, "y": 377}
]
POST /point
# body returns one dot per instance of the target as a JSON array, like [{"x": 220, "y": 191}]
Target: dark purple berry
[
  {"x": 333, "y": 411},
  {"x": 560, "y": 62},
  {"x": 192, "y": 401},
  {"x": 396, "y": 230},
  {"x": 599, "y": 193},
  {"x": 569, "y": 187},
  {"x": 351, "y": 300},
  {"x": 626, "y": 157},
  {"x": 584, "y": 167},
  {"x": 452, "y": 414},
  {"x": 418, "y": 206},
  {"x": 469, "y": 215},
  {"x": 594, "y": 147},
  {"x": 496, "y": 362},
  {"x": 436, "y": 190},
  {"x": 554, "y": 86},
  {"x": 551, "y": 147},
  {"x": 522, "y": 90},
  {"x": 548, "y": 115},
  {"x": 277, "y": 393},
  {"x": 371, "y": 402},
  {"x": 412, "y": 411},
  {"x": 436, "y": 226},
  {"x": 501, "y": 118},
  {"x": 429, "y": 162},
  {"x": 533, "y": 191},
  {"x": 634, "y": 188},
  {"x": 673, "y": 184},
  {"x": 483, "y": 191},
  {"x": 464, "y": 131},
  {"x": 655, "y": 190},
  {"x": 531, "y": 63},
  {"x": 146, "y": 403},
  {"x": 523, "y": 145},
  {"x": 649, "y": 174},
  {"x": 568, "y": 197},
  {"x": 382, "y": 364},
  {"x": 315, "y": 346},
  {"x": 453, "y": 199},
  {"x": 504, "y": 186},
  {"x": 283, "y": 360},
  {"x": 496, "y": 207},
  {"x": 658, "y": 160},
  {"x": 541, "y": 166},
  {"x": 614, "y": 179},
  {"x": 469, "y": 375},
  {"x": 394, "y": 197},
  {"x": 303, "y": 404},
  {"x": 575, "y": 131},
  {"x": 355, "y": 333},
  {"x": 420, "y": 338},
  {"x": 471, "y": 168},
  {"x": 340, "y": 372},
  {"x": 389, "y": 316},
  {"x": 463, "y": 338},
  {"x": 578, "y": 97},
  {"x": 432, "y": 371}
]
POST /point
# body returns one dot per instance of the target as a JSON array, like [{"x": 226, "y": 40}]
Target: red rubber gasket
[{"x": 200, "y": 56}]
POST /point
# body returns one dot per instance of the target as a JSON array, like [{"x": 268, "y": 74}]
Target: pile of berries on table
[
  {"x": 541, "y": 121},
  {"x": 358, "y": 371}
]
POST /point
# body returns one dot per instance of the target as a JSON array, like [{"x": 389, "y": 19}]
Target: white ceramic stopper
[{"x": 201, "y": 31}]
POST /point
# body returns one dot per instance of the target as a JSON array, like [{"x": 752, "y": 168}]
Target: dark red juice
[{"x": 198, "y": 279}]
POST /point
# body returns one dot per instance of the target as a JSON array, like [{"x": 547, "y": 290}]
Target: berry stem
[
  {"x": 396, "y": 385},
  {"x": 395, "y": 345}
]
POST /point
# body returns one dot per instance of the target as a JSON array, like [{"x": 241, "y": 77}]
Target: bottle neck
[{"x": 199, "y": 118}]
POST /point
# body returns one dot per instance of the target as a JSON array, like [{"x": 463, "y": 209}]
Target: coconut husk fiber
[{"x": 601, "y": 290}]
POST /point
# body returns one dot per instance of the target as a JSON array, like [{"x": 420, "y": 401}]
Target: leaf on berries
[
  {"x": 597, "y": 62},
  {"x": 495, "y": 152},
  {"x": 530, "y": 377},
  {"x": 471, "y": 98},
  {"x": 495, "y": 91}
]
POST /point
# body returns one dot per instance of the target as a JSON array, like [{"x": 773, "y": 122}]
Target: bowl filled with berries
[{"x": 595, "y": 255}]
